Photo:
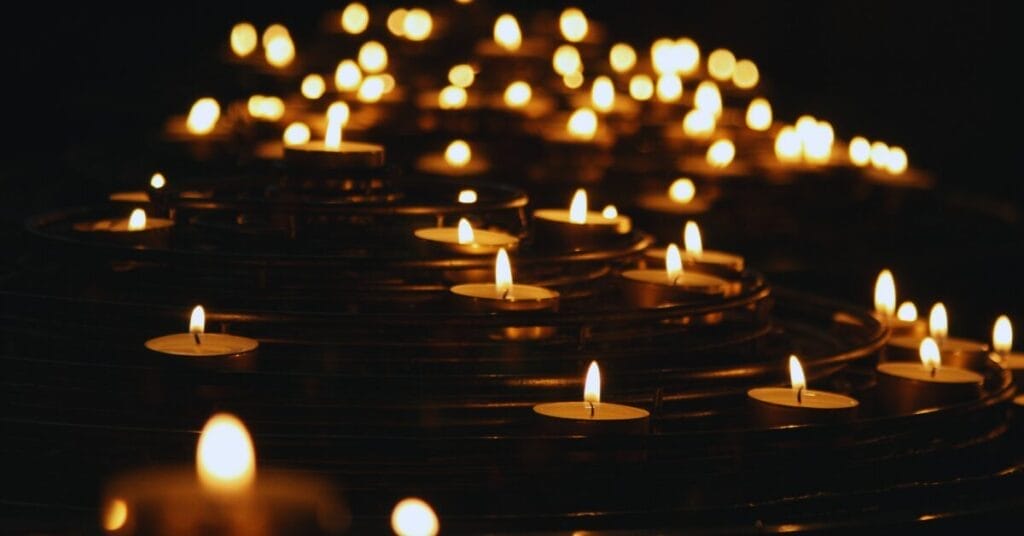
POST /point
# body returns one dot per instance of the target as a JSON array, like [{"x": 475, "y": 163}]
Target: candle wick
[
  {"x": 800, "y": 395},
  {"x": 934, "y": 369},
  {"x": 591, "y": 404},
  {"x": 195, "y": 335},
  {"x": 675, "y": 279},
  {"x": 508, "y": 290}
]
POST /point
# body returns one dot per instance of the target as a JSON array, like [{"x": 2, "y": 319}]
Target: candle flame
[
  {"x": 225, "y": 457},
  {"x": 157, "y": 181},
  {"x": 907, "y": 312},
  {"x": 507, "y": 34},
  {"x": 417, "y": 24},
  {"x": 313, "y": 86},
  {"x": 458, "y": 154},
  {"x": 396, "y": 21},
  {"x": 621, "y": 57},
  {"x": 461, "y": 75},
  {"x": 372, "y": 88},
  {"x": 337, "y": 116},
  {"x": 592, "y": 384},
  {"x": 137, "y": 220},
  {"x": 573, "y": 80},
  {"x": 116, "y": 514},
  {"x": 355, "y": 18},
  {"x": 879, "y": 155},
  {"x": 787, "y": 145},
  {"x": 687, "y": 55},
  {"x": 573, "y": 24},
  {"x": 796, "y": 374},
  {"x": 721, "y": 64},
  {"x": 897, "y": 161},
  {"x": 203, "y": 116},
  {"x": 885, "y": 294},
  {"x": 699, "y": 123},
  {"x": 669, "y": 88},
  {"x": 582, "y": 124},
  {"x": 243, "y": 39},
  {"x": 938, "y": 322},
  {"x": 518, "y": 94},
  {"x": 567, "y": 60},
  {"x": 297, "y": 133},
  {"x": 278, "y": 46},
  {"x": 373, "y": 57},
  {"x": 641, "y": 87},
  {"x": 347, "y": 76},
  {"x": 502, "y": 273},
  {"x": 860, "y": 151},
  {"x": 197, "y": 321},
  {"x": 452, "y": 97},
  {"x": 1002, "y": 335},
  {"x": 414, "y": 517},
  {"x": 264, "y": 107},
  {"x": 931, "y": 357},
  {"x": 467, "y": 197},
  {"x": 673, "y": 263},
  {"x": 465, "y": 232},
  {"x": 610, "y": 212},
  {"x": 721, "y": 153},
  {"x": 691, "y": 239},
  {"x": 759, "y": 115},
  {"x": 745, "y": 75},
  {"x": 682, "y": 190},
  {"x": 578, "y": 207},
  {"x": 708, "y": 97},
  {"x": 602, "y": 94}
]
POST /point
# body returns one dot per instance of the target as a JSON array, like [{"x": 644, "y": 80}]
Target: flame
[
  {"x": 602, "y": 94},
  {"x": 796, "y": 374},
  {"x": 388, "y": 81},
  {"x": 417, "y": 24},
  {"x": 313, "y": 86},
  {"x": 278, "y": 46},
  {"x": 708, "y": 97},
  {"x": 573, "y": 24},
  {"x": 938, "y": 322},
  {"x": 157, "y": 181},
  {"x": 787, "y": 145},
  {"x": 885, "y": 294},
  {"x": 1002, "y": 335},
  {"x": 225, "y": 457},
  {"x": 687, "y": 54},
  {"x": 396, "y": 21},
  {"x": 582, "y": 124},
  {"x": 197, "y": 321},
  {"x": 817, "y": 138},
  {"x": 465, "y": 232},
  {"x": 860, "y": 151},
  {"x": 337, "y": 116},
  {"x": 518, "y": 94},
  {"x": 879, "y": 155},
  {"x": 137, "y": 220},
  {"x": 759, "y": 114},
  {"x": 203, "y": 116},
  {"x": 691, "y": 239},
  {"x": 669, "y": 88},
  {"x": 507, "y": 34},
  {"x": 745, "y": 75},
  {"x": 347, "y": 76},
  {"x": 567, "y": 60},
  {"x": 907, "y": 312},
  {"x": 243, "y": 39},
  {"x": 457, "y": 154},
  {"x": 452, "y": 97},
  {"x": 578, "y": 207},
  {"x": 372, "y": 89},
  {"x": 682, "y": 190},
  {"x": 355, "y": 18},
  {"x": 461, "y": 75},
  {"x": 116, "y": 513},
  {"x": 610, "y": 212},
  {"x": 663, "y": 56},
  {"x": 641, "y": 87},
  {"x": 263, "y": 107},
  {"x": 467, "y": 197},
  {"x": 931, "y": 357},
  {"x": 897, "y": 161},
  {"x": 502, "y": 272},
  {"x": 373, "y": 57},
  {"x": 673, "y": 263},
  {"x": 592, "y": 384},
  {"x": 573, "y": 80},
  {"x": 621, "y": 57},
  {"x": 414, "y": 517},
  {"x": 721, "y": 153},
  {"x": 297, "y": 133},
  {"x": 721, "y": 64},
  {"x": 699, "y": 123}
]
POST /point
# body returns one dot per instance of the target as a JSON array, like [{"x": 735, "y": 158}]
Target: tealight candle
[
  {"x": 463, "y": 239},
  {"x": 578, "y": 228},
  {"x": 1002, "y": 345},
  {"x": 136, "y": 229},
  {"x": 198, "y": 343},
  {"x": 458, "y": 160},
  {"x": 681, "y": 199},
  {"x": 156, "y": 184},
  {"x": 910, "y": 387},
  {"x": 503, "y": 295},
  {"x": 332, "y": 153},
  {"x": 905, "y": 322},
  {"x": 591, "y": 416},
  {"x": 962, "y": 353},
  {"x": 649, "y": 288},
  {"x": 780, "y": 406},
  {"x": 696, "y": 255}
]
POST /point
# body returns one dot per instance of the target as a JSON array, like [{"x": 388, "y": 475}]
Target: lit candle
[
  {"x": 579, "y": 228},
  {"x": 651, "y": 288},
  {"x": 680, "y": 199},
  {"x": 414, "y": 517},
  {"x": 902, "y": 322},
  {"x": 1002, "y": 346},
  {"x": 590, "y": 416},
  {"x": 198, "y": 343},
  {"x": 910, "y": 387},
  {"x": 503, "y": 295},
  {"x": 694, "y": 253},
  {"x": 962, "y": 353},
  {"x": 156, "y": 190},
  {"x": 463, "y": 239},
  {"x": 457, "y": 160},
  {"x": 333, "y": 153},
  {"x": 780, "y": 406},
  {"x": 137, "y": 229}
]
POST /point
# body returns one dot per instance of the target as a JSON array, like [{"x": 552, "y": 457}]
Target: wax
[
  {"x": 484, "y": 242},
  {"x": 349, "y": 155},
  {"x": 212, "y": 345},
  {"x": 553, "y": 228},
  {"x": 708, "y": 259},
  {"x": 485, "y": 297},
  {"x": 650, "y": 288},
  {"x": 155, "y": 234},
  {"x": 910, "y": 387},
  {"x": 961, "y": 353},
  {"x": 575, "y": 418},
  {"x": 778, "y": 406}
]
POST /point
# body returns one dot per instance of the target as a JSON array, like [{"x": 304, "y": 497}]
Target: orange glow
[
  {"x": 243, "y": 39},
  {"x": 1002, "y": 335},
  {"x": 721, "y": 64},
  {"x": 458, "y": 154},
  {"x": 157, "y": 181},
  {"x": 860, "y": 151},
  {"x": 225, "y": 457},
  {"x": 897, "y": 161},
  {"x": 137, "y": 220},
  {"x": 787, "y": 145},
  {"x": 313, "y": 86},
  {"x": 461, "y": 75},
  {"x": 337, "y": 116},
  {"x": 518, "y": 94},
  {"x": 691, "y": 239},
  {"x": 669, "y": 88},
  {"x": 610, "y": 212},
  {"x": 687, "y": 55},
  {"x": 573, "y": 24},
  {"x": 622, "y": 57},
  {"x": 502, "y": 272},
  {"x": 578, "y": 207},
  {"x": 573, "y": 80},
  {"x": 938, "y": 322},
  {"x": 592, "y": 384},
  {"x": 507, "y": 33},
  {"x": 708, "y": 98},
  {"x": 641, "y": 87},
  {"x": 414, "y": 517},
  {"x": 682, "y": 190},
  {"x": 396, "y": 22},
  {"x": 673, "y": 263},
  {"x": 372, "y": 89},
  {"x": 347, "y": 76},
  {"x": 278, "y": 47},
  {"x": 582, "y": 124},
  {"x": 759, "y": 115},
  {"x": 203, "y": 116},
  {"x": 745, "y": 75},
  {"x": 373, "y": 57},
  {"x": 885, "y": 294},
  {"x": 931, "y": 357},
  {"x": 664, "y": 56},
  {"x": 879, "y": 155},
  {"x": 699, "y": 124},
  {"x": 467, "y": 197},
  {"x": 796, "y": 374},
  {"x": 465, "y": 232},
  {"x": 115, "y": 516},
  {"x": 266, "y": 108},
  {"x": 296, "y": 133},
  {"x": 452, "y": 97},
  {"x": 566, "y": 60},
  {"x": 721, "y": 153},
  {"x": 907, "y": 312},
  {"x": 417, "y": 24},
  {"x": 355, "y": 18},
  {"x": 602, "y": 94}
]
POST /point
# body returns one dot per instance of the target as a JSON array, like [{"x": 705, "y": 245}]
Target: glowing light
[
  {"x": 664, "y": 56},
  {"x": 673, "y": 263},
  {"x": 388, "y": 81},
  {"x": 573, "y": 80},
  {"x": 347, "y": 76},
  {"x": 816, "y": 138},
  {"x": 578, "y": 207},
  {"x": 897, "y": 161},
  {"x": 885, "y": 294},
  {"x": 860, "y": 151},
  {"x": 592, "y": 384},
  {"x": 687, "y": 55},
  {"x": 414, "y": 517},
  {"x": 622, "y": 57},
  {"x": 417, "y": 24},
  {"x": 296, "y": 133},
  {"x": 708, "y": 98},
  {"x": 339, "y": 111},
  {"x": 938, "y": 322},
  {"x": 787, "y": 145},
  {"x": 931, "y": 357},
  {"x": 669, "y": 88},
  {"x": 371, "y": 90},
  {"x": 641, "y": 87},
  {"x": 682, "y": 190},
  {"x": 759, "y": 115},
  {"x": 273, "y": 31},
  {"x": 461, "y": 75},
  {"x": 566, "y": 60},
  {"x": 1002, "y": 335},
  {"x": 396, "y": 21},
  {"x": 267, "y": 108},
  {"x": 458, "y": 154},
  {"x": 337, "y": 115},
  {"x": 721, "y": 153},
  {"x": 610, "y": 212},
  {"x": 507, "y": 34},
  {"x": 225, "y": 457},
  {"x": 502, "y": 272},
  {"x": 355, "y": 18},
  {"x": 452, "y": 97},
  {"x": 582, "y": 124},
  {"x": 373, "y": 57},
  {"x": 203, "y": 116},
  {"x": 467, "y": 197},
  {"x": 699, "y": 124},
  {"x": 465, "y": 232},
  {"x": 796, "y": 374},
  {"x": 602, "y": 94},
  {"x": 197, "y": 320},
  {"x": 518, "y": 94},
  {"x": 879, "y": 155},
  {"x": 573, "y": 24},
  {"x": 157, "y": 181},
  {"x": 243, "y": 39},
  {"x": 721, "y": 64},
  {"x": 313, "y": 86},
  {"x": 116, "y": 513},
  {"x": 907, "y": 312},
  {"x": 691, "y": 239},
  {"x": 137, "y": 220},
  {"x": 745, "y": 75},
  {"x": 278, "y": 47}
]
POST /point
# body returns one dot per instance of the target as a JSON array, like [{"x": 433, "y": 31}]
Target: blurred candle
[
  {"x": 859, "y": 151},
  {"x": 414, "y": 517},
  {"x": 721, "y": 153},
  {"x": 518, "y": 94},
  {"x": 721, "y": 64},
  {"x": 296, "y": 133},
  {"x": 573, "y": 24},
  {"x": 278, "y": 46},
  {"x": 461, "y": 75},
  {"x": 708, "y": 98},
  {"x": 669, "y": 88},
  {"x": 621, "y": 57},
  {"x": 759, "y": 115},
  {"x": 641, "y": 87},
  {"x": 745, "y": 75},
  {"x": 582, "y": 124},
  {"x": 417, "y": 24},
  {"x": 566, "y": 60},
  {"x": 243, "y": 39},
  {"x": 373, "y": 57},
  {"x": 506, "y": 32},
  {"x": 203, "y": 116},
  {"x": 347, "y": 76},
  {"x": 602, "y": 94},
  {"x": 355, "y": 18}
]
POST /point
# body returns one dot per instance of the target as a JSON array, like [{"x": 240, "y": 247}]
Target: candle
[
  {"x": 222, "y": 494},
  {"x": 1002, "y": 345},
  {"x": 696, "y": 255},
  {"x": 962, "y": 353},
  {"x": 779, "y": 406},
  {"x": 905, "y": 322},
  {"x": 333, "y": 153},
  {"x": 503, "y": 295},
  {"x": 578, "y": 228},
  {"x": 680, "y": 198},
  {"x": 137, "y": 229},
  {"x": 198, "y": 343},
  {"x": 156, "y": 183},
  {"x": 910, "y": 387},
  {"x": 591, "y": 416},
  {"x": 463, "y": 239},
  {"x": 457, "y": 160},
  {"x": 414, "y": 517},
  {"x": 649, "y": 288}
]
